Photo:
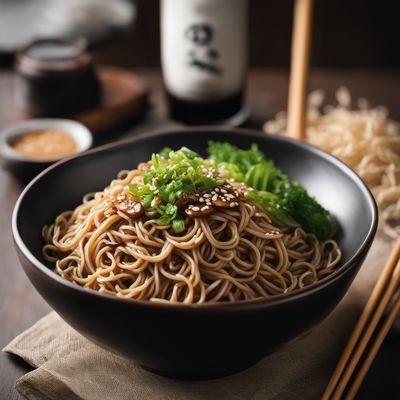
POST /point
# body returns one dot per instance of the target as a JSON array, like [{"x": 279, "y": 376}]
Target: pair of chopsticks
[
  {"x": 375, "y": 321},
  {"x": 383, "y": 306}
]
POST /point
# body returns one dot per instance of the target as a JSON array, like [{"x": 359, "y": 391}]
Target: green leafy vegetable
[
  {"x": 288, "y": 204},
  {"x": 270, "y": 203},
  {"x": 308, "y": 212},
  {"x": 248, "y": 166},
  {"x": 296, "y": 208},
  {"x": 184, "y": 172},
  {"x": 243, "y": 159}
]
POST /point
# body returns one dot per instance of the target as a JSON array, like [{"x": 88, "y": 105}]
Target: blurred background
[
  {"x": 355, "y": 43},
  {"x": 347, "y": 33}
]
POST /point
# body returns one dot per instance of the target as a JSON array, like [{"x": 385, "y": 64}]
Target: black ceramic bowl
[{"x": 187, "y": 341}]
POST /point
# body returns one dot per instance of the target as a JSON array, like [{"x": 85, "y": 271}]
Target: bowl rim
[
  {"x": 76, "y": 130},
  {"x": 218, "y": 306}
]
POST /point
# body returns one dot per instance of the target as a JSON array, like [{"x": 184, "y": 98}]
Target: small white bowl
[{"x": 26, "y": 167}]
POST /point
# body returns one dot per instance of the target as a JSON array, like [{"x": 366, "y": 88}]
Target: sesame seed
[
  {"x": 195, "y": 208},
  {"x": 214, "y": 198},
  {"x": 223, "y": 191},
  {"x": 207, "y": 195},
  {"x": 201, "y": 200}
]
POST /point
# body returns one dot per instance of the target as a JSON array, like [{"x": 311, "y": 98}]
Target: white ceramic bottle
[{"x": 204, "y": 59}]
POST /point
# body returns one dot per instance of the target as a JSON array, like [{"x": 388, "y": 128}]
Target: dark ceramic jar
[{"x": 56, "y": 78}]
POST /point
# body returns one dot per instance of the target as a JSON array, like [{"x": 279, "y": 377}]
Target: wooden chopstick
[
  {"x": 299, "y": 69},
  {"x": 383, "y": 291},
  {"x": 387, "y": 283},
  {"x": 367, "y": 334},
  {"x": 374, "y": 350}
]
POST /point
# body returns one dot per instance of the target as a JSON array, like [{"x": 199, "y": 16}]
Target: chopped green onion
[
  {"x": 178, "y": 225},
  {"x": 183, "y": 172}
]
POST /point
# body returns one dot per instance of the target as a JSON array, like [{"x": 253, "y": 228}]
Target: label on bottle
[{"x": 204, "y": 48}]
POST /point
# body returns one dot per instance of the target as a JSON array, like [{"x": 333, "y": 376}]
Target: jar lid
[{"x": 53, "y": 55}]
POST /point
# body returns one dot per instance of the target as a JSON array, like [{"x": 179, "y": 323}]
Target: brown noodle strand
[{"x": 231, "y": 255}]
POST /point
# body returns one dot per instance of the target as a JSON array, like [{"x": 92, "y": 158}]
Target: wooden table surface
[{"x": 20, "y": 304}]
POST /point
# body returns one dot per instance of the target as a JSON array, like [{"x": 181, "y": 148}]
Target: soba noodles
[{"x": 215, "y": 245}]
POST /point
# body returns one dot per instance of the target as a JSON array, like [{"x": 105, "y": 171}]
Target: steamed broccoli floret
[{"x": 308, "y": 212}]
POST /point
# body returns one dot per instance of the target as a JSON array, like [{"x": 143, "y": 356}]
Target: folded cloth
[{"x": 68, "y": 366}]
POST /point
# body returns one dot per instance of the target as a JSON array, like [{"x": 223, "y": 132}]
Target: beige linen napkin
[{"x": 68, "y": 366}]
